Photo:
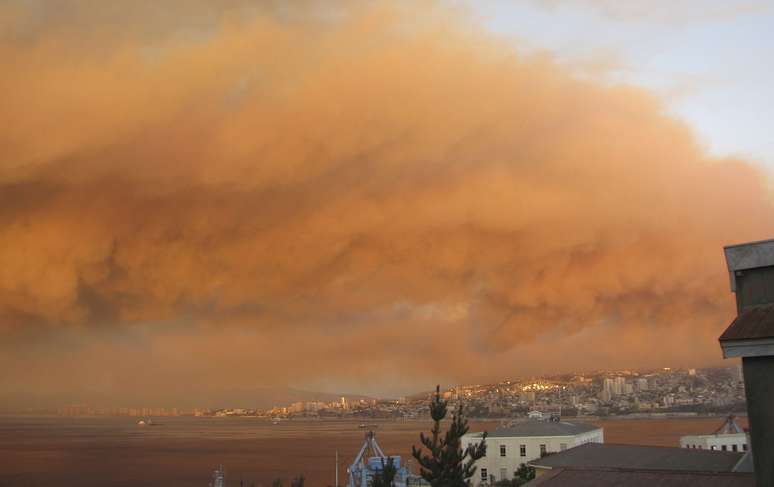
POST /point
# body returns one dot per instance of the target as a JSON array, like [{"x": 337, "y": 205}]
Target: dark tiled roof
[
  {"x": 535, "y": 427},
  {"x": 575, "y": 477},
  {"x": 746, "y": 463},
  {"x": 755, "y": 322},
  {"x": 599, "y": 455}
]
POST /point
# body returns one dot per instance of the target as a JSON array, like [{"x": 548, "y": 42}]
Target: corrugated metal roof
[
  {"x": 755, "y": 322},
  {"x": 574, "y": 477},
  {"x": 597, "y": 455},
  {"x": 535, "y": 427}
]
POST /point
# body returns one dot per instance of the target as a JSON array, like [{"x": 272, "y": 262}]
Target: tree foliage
[
  {"x": 523, "y": 475},
  {"x": 447, "y": 464},
  {"x": 525, "y": 472},
  {"x": 385, "y": 477}
]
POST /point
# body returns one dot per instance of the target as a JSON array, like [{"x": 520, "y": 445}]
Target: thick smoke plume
[{"x": 355, "y": 197}]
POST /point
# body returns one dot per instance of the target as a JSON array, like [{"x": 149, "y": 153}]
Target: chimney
[{"x": 751, "y": 337}]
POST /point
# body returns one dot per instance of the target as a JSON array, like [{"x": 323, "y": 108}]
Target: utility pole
[{"x": 337, "y": 469}]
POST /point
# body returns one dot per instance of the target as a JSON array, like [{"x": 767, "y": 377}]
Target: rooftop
[
  {"x": 751, "y": 323},
  {"x": 636, "y": 457},
  {"x": 534, "y": 427},
  {"x": 749, "y": 255},
  {"x": 599, "y": 477}
]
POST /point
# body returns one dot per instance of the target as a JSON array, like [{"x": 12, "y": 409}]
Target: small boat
[{"x": 148, "y": 422}]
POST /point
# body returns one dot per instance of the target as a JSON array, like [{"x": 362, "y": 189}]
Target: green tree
[
  {"x": 385, "y": 477},
  {"x": 525, "y": 472},
  {"x": 447, "y": 464}
]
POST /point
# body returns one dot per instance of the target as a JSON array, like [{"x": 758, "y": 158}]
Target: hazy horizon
[
  {"x": 263, "y": 397},
  {"x": 343, "y": 197}
]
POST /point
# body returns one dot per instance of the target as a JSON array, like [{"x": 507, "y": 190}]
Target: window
[
  {"x": 503, "y": 474},
  {"x": 562, "y": 446},
  {"x": 484, "y": 475},
  {"x": 734, "y": 448},
  {"x": 542, "y": 450},
  {"x": 713, "y": 447},
  {"x": 502, "y": 450},
  {"x": 523, "y": 450},
  {"x": 744, "y": 446},
  {"x": 724, "y": 447}
]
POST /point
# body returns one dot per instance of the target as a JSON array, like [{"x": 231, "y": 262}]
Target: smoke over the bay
[{"x": 371, "y": 198}]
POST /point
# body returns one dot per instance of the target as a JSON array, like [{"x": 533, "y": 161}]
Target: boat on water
[{"x": 147, "y": 422}]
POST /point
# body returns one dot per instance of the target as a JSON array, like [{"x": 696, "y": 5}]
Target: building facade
[
  {"x": 729, "y": 437},
  {"x": 522, "y": 442},
  {"x": 728, "y": 442}
]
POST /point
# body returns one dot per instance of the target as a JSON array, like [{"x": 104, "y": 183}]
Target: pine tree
[
  {"x": 447, "y": 464},
  {"x": 385, "y": 477},
  {"x": 525, "y": 472}
]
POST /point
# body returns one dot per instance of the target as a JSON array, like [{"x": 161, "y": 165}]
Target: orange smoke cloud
[{"x": 259, "y": 194}]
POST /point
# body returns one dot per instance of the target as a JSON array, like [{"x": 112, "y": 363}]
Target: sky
[
  {"x": 368, "y": 197},
  {"x": 706, "y": 59}
]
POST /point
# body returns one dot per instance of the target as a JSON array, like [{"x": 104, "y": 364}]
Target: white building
[
  {"x": 619, "y": 386},
  {"x": 729, "y": 437},
  {"x": 607, "y": 390},
  {"x": 509, "y": 447}
]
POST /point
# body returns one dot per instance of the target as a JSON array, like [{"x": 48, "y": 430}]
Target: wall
[
  {"x": 493, "y": 462},
  {"x": 706, "y": 442}
]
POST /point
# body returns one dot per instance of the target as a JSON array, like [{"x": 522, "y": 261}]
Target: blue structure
[{"x": 370, "y": 461}]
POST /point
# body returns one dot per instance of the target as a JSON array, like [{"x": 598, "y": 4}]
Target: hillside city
[{"x": 603, "y": 393}]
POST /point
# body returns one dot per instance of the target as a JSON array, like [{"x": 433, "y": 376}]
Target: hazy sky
[{"x": 372, "y": 198}]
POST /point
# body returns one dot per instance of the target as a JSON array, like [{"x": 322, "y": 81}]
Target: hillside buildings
[{"x": 727, "y": 458}]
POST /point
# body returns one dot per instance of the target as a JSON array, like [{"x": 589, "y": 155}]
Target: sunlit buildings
[{"x": 619, "y": 386}]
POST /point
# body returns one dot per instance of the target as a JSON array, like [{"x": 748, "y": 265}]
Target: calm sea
[{"x": 40, "y": 451}]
